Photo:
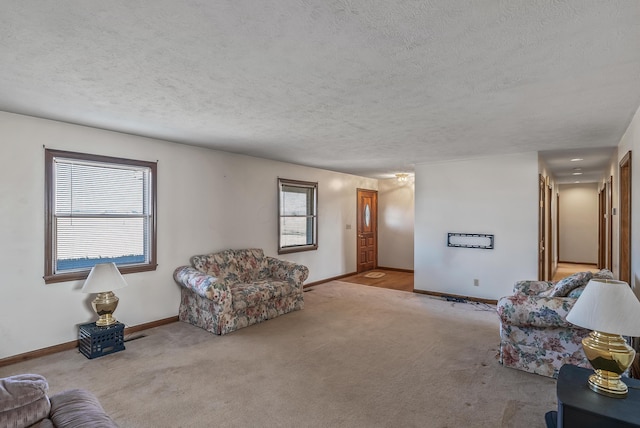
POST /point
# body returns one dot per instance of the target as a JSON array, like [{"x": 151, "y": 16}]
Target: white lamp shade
[
  {"x": 607, "y": 306},
  {"x": 104, "y": 277}
]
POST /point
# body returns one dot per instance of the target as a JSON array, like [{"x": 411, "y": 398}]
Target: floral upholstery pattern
[
  {"x": 532, "y": 288},
  {"x": 534, "y": 333},
  {"x": 232, "y": 289},
  {"x": 202, "y": 284}
]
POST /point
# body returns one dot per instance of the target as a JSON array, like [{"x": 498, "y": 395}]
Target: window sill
[
  {"x": 74, "y": 276},
  {"x": 297, "y": 249}
]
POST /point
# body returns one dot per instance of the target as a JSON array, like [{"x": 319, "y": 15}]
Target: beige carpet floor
[{"x": 356, "y": 356}]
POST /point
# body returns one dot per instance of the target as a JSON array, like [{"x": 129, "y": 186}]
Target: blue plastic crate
[{"x": 95, "y": 341}]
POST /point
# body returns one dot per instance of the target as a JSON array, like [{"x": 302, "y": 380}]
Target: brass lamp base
[
  {"x": 105, "y": 305},
  {"x": 610, "y": 356}
]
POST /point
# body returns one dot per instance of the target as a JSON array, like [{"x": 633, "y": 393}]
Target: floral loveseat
[
  {"x": 534, "y": 333},
  {"x": 232, "y": 289}
]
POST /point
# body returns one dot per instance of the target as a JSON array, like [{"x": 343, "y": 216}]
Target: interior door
[
  {"x": 625, "y": 219},
  {"x": 541, "y": 229},
  {"x": 557, "y": 227},
  {"x": 367, "y": 230},
  {"x": 549, "y": 236},
  {"x": 609, "y": 187},
  {"x": 602, "y": 229}
]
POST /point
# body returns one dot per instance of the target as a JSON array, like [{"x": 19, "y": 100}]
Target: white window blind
[
  {"x": 298, "y": 216},
  {"x": 99, "y": 212}
]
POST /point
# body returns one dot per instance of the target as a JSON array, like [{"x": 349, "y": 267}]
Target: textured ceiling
[{"x": 360, "y": 86}]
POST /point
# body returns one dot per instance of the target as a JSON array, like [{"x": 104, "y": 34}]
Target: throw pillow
[
  {"x": 78, "y": 408},
  {"x": 565, "y": 285}
]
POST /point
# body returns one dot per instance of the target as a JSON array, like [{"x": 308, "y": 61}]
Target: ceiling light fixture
[
  {"x": 402, "y": 177},
  {"x": 576, "y": 159},
  {"x": 576, "y": 173}
]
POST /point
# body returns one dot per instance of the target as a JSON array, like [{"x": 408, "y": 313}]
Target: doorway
[
  {"x": 367, "y": 239},
  {"x": 579, "y": 225}
]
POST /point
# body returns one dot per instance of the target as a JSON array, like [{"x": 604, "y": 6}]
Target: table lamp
[
  {"x": 611, "y": 310},
  {"x": 103, "y": 279}
]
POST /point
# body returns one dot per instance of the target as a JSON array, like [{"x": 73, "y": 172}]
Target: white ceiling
[
  {"x": 579, "y": 165},
  {"x": 359, "y": 86}
]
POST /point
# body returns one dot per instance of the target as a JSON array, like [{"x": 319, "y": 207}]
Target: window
[
  {"x": 98, "y": 209},
  {"x": 298, "y": 216}
]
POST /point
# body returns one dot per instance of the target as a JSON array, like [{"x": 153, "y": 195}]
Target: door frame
[
  {"x": 624, "y": 255},
  {"x": 609, "y": 208},
  {"x": 602, "y": 227},
  {"x": 541, "y": 228},
  {"x": 557, "y": 228},
  {"x": 549, "y": 246},
  {"x": 359, "y": 220}
]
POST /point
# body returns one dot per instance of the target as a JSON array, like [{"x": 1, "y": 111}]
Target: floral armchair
[{"x": 534, "y": 333}]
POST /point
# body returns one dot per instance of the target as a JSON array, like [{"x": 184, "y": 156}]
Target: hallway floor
[
  {"x": 399, "y": 280},
  {"x": 395, "y": 280},
  {"x": 566, "y": 269}
]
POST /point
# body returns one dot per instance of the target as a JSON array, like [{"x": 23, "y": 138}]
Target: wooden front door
[{"x": 367, "y": 230}]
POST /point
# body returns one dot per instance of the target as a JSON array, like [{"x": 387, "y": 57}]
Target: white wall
[
  {"x": 396, "y": 223},
  {"x": 579, "y": 223},
  {"x": 498, "y": 196},
  {"x": 207, "y": 201}
]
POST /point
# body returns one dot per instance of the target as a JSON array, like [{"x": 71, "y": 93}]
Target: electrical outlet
[
  {"x": 476, "y": 282},
  {"x": 348, "y": 227}
]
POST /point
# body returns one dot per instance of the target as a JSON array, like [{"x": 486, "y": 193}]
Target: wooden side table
[{"x": 580, "y": 407}]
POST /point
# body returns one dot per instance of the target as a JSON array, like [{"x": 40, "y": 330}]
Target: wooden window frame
[
  {"x": 314, "y": 216},
  {"x": 50, "y": 276}
]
